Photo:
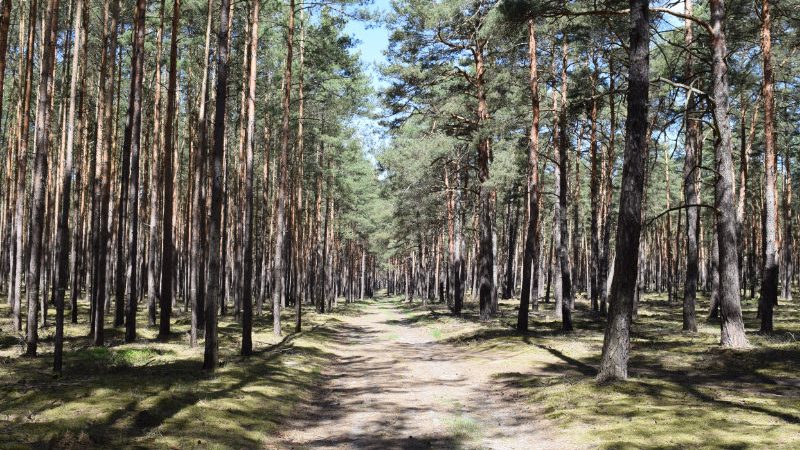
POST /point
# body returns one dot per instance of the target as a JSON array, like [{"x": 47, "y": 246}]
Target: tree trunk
[
  {"x": 102, "y": 194},
  {"x": 22, "y": 164},
  {"x": 608, "y": 188},
  {"x": 769, "y": 284},
  {"x": 616, "y": 342},
  {"x": 713, "y": 312},
  {"x": 691, "y": 173},
  {"x": 459, "y": 275},
  {"x": 594, "y": 194},
  {"x": 247, "y": 238},
  {"x": 563, "y": 255},
  {"x": 563, "y": 167},
  {"x": 131, "y": 148},
  {"x": 62, "y": 234},
  {"x": 788, "y": 264},
  {"x": 156, "y": 172},
  {"x": 43, "y": 116},
  {"x": 486, "y": 249},
  {"x": 167, "y": 238},
  {"x": 298, "y": 238},
  {"x": 280, "y": 232},
  {"x": 530, "y": 259},
  {"x": 211, "y": 355},
  {"x": 198, "y": 277},
  {"x": 732, "y": 334}
]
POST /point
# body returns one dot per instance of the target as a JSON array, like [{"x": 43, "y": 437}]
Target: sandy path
[{"x": 393, "y": 387}]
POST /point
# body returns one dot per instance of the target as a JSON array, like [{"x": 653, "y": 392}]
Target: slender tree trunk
[
  {"x": 533, "y": 230},
  {"x": 300, "y": 149},
  {"x": 156, "y": 174},
  {"x": 211, "y": 355},
  {"x": 690, "y": 182},
  {"x": 43, "y": 116},
  {"x": 450, "y": 278},
  {"x": 198, "y": 278},
  {"x": 616, "y": 343},
  {"x": 769, "y": 284},
  {"x": 563, "y": 168},
  {"x": 62, "y": 234},
  {"x": 278, "y": 263},
  {"x": 247, "y": 292},
  {"x": 319, "y": 277},
  {"x": 594, "y": 266},
  {"x": 459, "y": 274},
  {"x": 167, "y": 238},
  {"x": 22, "y": 164},
  {"x": 131, "y": 148},
  {"x": 486, "y": 253},
  {"x": 788, "y": 264},
  {"x": 512, "y": 224},
  {"x": 122, "y": 204},
  {"x": 713, "y": 312},
  {"x": 102, "y": 194},
  {"x": 732, "y": 334},
  {"x": 80, "y": 252},
  {"x": 608, "y": 178},
  {"x": 667, "y": 242},
  {"x": 563, "y": 254}
]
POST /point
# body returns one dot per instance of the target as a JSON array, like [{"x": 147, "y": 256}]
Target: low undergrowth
[
  {"x": 684, "y": 391},
  {"x": 153, "y": 394}
]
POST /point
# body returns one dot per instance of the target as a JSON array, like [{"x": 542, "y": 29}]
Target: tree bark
[
  {"x": 530, "y": 265},
  {"x": 102, "y": 194},
  {"x": 616, "y": 342},
  {"x": 167, "y": 238},
  {"x": 594, "y": 194},
  {"x": 156, "y": 174},
  {"x": 131, "y": 148},
  {"x": 732, "y": 333},
  {"x": 608, "y": 187},
  {"x": 43, "y": 119},
  {"x": 691, "y": 173},
  {"x": 769, "y": 284},
  {"x": 787, "y": 251},
  {"x": 62, "y": 233},
  {"x": 486, "y": 248},
  {"x": 280, "y": 232},
  {"x": 563, "y": 167},
  {"x": 247, "y": 291},
  {"x": 299, "y": 216},
  {"x": 198, "y": 277},
  {"x": 211, "y": 355},
  {"x": 22, "y": 164}
]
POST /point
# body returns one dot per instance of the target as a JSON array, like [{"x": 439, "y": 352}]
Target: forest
[{"x": 521, "y": 224}]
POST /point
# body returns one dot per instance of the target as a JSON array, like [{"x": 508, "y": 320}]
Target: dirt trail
[{"x": 393, "y": 387}]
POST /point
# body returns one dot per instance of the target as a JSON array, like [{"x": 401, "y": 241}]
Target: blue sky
[{"x": 372, "y": 39}]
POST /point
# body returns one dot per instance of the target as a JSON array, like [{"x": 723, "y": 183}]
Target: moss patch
[
  {"x": 151, "y": 394},
  {"x": 685, "y": 391}
]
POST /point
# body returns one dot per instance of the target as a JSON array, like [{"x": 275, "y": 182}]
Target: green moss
[
  {"x": 685, "y": 391},
  {"x": 152, "y": 394},
  {"x": 463, "y": 427}
]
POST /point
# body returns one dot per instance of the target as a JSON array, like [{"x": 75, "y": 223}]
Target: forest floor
[
  {"x": 685, "y": 391},
  {"x": 152, "y": 394},
  {"x": 396, "y": 385},
  {"x": 385, "y": 374}
]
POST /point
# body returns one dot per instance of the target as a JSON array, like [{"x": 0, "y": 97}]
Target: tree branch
[{"x": 676, "y": 208}]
